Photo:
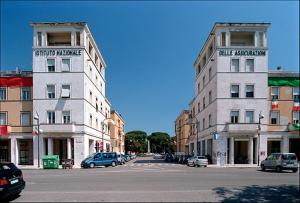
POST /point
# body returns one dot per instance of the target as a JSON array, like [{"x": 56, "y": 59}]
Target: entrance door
[
  {"x": 295, "y": 146},
  {"x": 274, "y": 146},
  {"x": 241, "y": 152},
  {"x": 4, "y": 150}
]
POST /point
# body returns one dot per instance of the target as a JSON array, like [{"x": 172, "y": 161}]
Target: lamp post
[
  {"x": 258, "y": 137},
  {"x": 37, "y": 118}
]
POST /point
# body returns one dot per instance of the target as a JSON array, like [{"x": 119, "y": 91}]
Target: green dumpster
[{"x": 50, "y": 161}]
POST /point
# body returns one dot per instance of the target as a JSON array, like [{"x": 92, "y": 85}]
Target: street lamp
[
  {"x": 258, "y": 136},
  {"x": 37, "y": 118}
]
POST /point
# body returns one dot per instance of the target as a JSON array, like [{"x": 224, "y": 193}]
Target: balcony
[
  {"x": 58, "y": 128},
  {"x": 5, "y": 130},
  {"x": 242, "y": 127}
]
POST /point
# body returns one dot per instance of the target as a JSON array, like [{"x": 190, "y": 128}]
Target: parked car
[
  {"x": 11, "y": 181},
  {"x": 191, "y": 161},
  {"x": 201, "y": 161},
  {"x": 127, "y": 157},
  {"x": 121, "y": 159},
  {"x": 169, "y": 158},
  {"x": 280, "y": 161},
  {"x": 157, "y": 156},
  {"x": 100, "y": 159},
  {"x": 186, "y": 157}
]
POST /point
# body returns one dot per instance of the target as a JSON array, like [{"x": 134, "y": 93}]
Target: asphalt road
[{"x": 148, "y": 180}]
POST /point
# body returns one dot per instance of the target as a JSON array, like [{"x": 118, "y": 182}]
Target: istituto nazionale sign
[
  {"x": 58, "y": 52},
  {"x": 240, "y": 52}
]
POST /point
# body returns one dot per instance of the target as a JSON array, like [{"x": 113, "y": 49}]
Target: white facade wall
[
  {"x": 84, "y": 77},
  {"x": 220, "y": 86}
]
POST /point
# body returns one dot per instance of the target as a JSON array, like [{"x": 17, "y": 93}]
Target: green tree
[
  {"x": 136, "y": 141},
  {"x": 161, "y": 142}
]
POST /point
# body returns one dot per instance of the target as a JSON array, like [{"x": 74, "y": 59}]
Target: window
[
  {"x": 209, "y": 74},
  {"x": 249, "y": 65},
  {"x": 3, "y": 92},
  {"x": 51, "y": 65},
  {"x": 101, "y": 107},
  {"x": 90, "y": 49},
  {"x": 91, "y": 120},
  {"x": 78, "y": 38},
  {"x": 203, "y": 81},
  {"x": 249, "y": 91},
  {"x": 91, "y": 72},
  {"x": 203, "y": 123},
  {"x": 91, "y": 96},
  {"x": 198, "y": 87},
  {"x": 234, "y": 116},
  {"x": 241, "y": 38},
  {"x": 50, "y": 117},
  {"x": 295, "y": 117},
  {"x": 249, "y": 118},
  {"x": 234, "y": 91},
  {"x": 25, "y": 119},
  {"x": 65, "y": 65},
  {"x": 25, "y": 93},
  {"x": 296, "y": 96},
  {"x": 274, "y": 93},
  {"x": 209, "y": 97},
  {"x": 235, "y": 65},
  {"x": 97, "y": 125},
  {"x": 198, "y": 68},
  {"x": 209, "y": 120},
  {"x": 198, "y": 107},
  {"x": 223, "y": 39},
  {"x": 51, "y": 91},
  {"x": 203, "y": 102},
  {"x": 274, "y": 117},
  {"x": 66, "y": 117},
  {"x": 101, "y": 86},
  {"x": 65, "y": 91},
  {"x": 39, "y": 39},
  {"x": 97, "y": 104},
  {"x": 3, "y": 118},
  {"x": 260, "y": 41}
]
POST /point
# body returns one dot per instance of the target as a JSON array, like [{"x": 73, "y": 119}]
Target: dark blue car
[{"x": 100, "y": 159}]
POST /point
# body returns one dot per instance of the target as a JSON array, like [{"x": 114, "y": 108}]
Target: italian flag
[
  {"x": 274, "y": 104},
  {"x": 296, "y": 106}
]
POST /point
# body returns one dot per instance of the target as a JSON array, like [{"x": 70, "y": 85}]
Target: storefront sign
[
  {"x": 240, "y": 52},
  {"x": 58, "y": 52}
]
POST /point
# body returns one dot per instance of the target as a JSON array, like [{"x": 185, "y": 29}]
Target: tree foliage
[
  {"x": 161, "y": 142},
  {"x": 136, "y": 141}
]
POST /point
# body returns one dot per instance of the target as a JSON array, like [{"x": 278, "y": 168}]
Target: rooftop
[
  {"x": 16, "y": 73},
  {"x": 58, "y": 23}
]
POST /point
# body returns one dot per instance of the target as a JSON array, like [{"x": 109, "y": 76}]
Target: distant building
[
  {"x": 231, "y": 74},
  {"x": 117, "y": 132},
  {"x": 182, "y": 130},
  {"x": 69, "y": 91},
  {"x": 283, "y": 103},
  {"x": 16, "y": 143}
]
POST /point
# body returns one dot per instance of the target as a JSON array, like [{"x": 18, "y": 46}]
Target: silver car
[
  {"x": 197, "y": 161},
  {"x": 280, "y": 161}
]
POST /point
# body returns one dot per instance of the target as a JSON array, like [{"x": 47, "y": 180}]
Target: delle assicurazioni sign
[
  {"x": 239, "y": 52},
  {"x": 58, "y": 52}
]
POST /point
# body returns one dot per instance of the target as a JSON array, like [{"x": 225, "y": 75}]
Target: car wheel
[
  {"x": 295, "y": 170},
  {"x": 263, "y": 168},
  {"x": 113, "y": 164},
  {"x": 278, "y": 169},
  {"x": 92, "y": 165}
]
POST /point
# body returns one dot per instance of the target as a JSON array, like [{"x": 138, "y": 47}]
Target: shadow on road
[
  {"x": 274, "y": 171},
  {"x": 255, "y": 193}
]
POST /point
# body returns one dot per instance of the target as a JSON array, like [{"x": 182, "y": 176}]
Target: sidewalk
[{"x": 233, "y": 166}]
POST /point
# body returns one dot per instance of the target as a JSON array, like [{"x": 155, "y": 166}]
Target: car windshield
[
  {"x": 289, "y": 157},
  {"x": 90, "y": 156},
  {"x": 201, "y": 157}
]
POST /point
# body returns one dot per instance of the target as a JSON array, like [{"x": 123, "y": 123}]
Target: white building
[
  {"x": 69, "y": 91},
  {"x": 230, "y": 92}
]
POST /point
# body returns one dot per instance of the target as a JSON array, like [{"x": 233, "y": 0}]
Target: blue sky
[{"x": 150, "y": 47}]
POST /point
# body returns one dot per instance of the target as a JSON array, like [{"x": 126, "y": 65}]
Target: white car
[{"x": 197, "y": 161}]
